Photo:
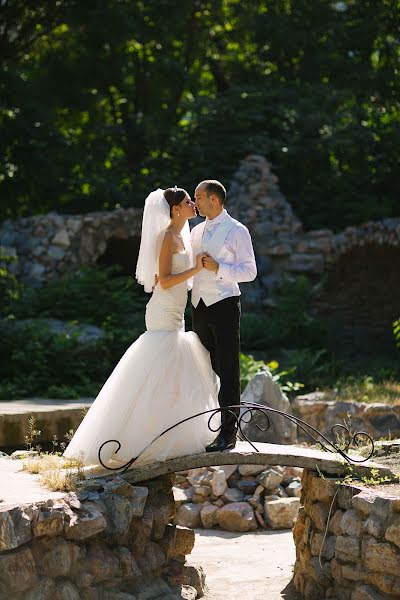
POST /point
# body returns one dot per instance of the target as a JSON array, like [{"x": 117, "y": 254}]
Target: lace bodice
[{"x": 165, "y": 310}]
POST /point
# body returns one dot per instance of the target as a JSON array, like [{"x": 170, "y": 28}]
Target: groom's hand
[{"x": 210, "y": 264}]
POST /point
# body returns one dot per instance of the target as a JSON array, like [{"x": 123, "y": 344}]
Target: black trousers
[{"x": 218, "y": 327}]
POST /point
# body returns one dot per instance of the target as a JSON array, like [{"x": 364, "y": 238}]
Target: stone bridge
[{"x": 266, "y": 454}]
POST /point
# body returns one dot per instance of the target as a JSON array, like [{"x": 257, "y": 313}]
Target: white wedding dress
[{"x": 165, "y": 376}]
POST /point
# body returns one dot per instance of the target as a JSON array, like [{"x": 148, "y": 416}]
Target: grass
[
  {"x": 56, "y": 472},
  {"x": 365, "y": 389}
]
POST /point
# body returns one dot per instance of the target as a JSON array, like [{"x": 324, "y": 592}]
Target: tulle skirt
[{"x": 164, "y": 377}]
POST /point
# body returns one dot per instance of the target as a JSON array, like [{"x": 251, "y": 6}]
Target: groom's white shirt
[{"x": 229, "y": 243}]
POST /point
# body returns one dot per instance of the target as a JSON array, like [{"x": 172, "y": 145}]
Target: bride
[{"x": 165, "y": 376}]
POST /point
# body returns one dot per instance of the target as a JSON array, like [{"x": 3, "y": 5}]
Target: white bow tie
[{"x": 209, "y": 225}]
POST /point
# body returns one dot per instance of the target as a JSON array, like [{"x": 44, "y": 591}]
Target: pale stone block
[
  {"x": 218, "y": 483},
  {"x": 188, "y": 515},
  {"x": 282, "y": 513},
  {"x": 237, "y": 516}
]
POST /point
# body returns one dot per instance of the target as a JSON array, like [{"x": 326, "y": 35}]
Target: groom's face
[{"x": 203, "y": 202}]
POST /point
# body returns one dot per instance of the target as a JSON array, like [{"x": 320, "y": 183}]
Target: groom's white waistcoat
[{"x": 230, "y": 245}]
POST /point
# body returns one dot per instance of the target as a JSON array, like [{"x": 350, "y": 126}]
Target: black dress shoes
[{"x": 223, "y": 441}]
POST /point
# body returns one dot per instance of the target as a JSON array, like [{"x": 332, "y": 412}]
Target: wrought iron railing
[{"x": 344, "y": 441}]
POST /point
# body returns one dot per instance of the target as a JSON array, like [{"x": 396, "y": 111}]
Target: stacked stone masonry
[
  {"x": 238, "y": 498},
  {"x": 108, "y": 541},
  {"x": 43, "y": 245},
  {"x": 347, "y": 542},
  {"x": 322, "y": 411}
]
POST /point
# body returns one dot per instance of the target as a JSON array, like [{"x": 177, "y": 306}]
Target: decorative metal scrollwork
[{"x": 246, "y": 412}]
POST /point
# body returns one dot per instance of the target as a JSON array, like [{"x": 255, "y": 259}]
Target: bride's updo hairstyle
[{"x": 174, "y": 196}]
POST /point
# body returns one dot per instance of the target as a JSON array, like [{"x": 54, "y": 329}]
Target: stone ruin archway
[
  {"x": 360, "y": 293},
  {"x": 121, "y": 251}
]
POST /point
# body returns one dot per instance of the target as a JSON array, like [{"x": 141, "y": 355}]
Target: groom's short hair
[{"x": 212, "y": 186}]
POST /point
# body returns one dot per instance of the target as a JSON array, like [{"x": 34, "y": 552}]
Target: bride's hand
[{"x": 199, "y": 261}]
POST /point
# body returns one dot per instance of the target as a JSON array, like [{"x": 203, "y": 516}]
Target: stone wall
[
  {"x": 319, "y": 410},
  {"x": 357, "y": 266},
  {"x": 359, "y": 557},
  {"x": 43, "y": 245},
  {"x": 108, "y": 541}
]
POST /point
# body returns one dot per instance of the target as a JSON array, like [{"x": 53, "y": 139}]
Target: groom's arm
[{"x": 244, "y": 267}]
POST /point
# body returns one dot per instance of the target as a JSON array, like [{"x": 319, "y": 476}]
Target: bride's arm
[{"x": 166, "y": 278}]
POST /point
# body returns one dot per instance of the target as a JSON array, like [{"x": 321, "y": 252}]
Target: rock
[
  {"x": 262, "y": 389},
  {"x": 319, "y": 514},
  {"x": 306, "y": 263},
  {"x": 117, "y": 595},
  {"x": 188, "y": 515},
  {"x": 15, "y": 528},
  {"x": 36, "y": 271},
  {"x": 374, "y": 526},
  {"x": 328, "y": 548},
  {"x": 138, "y": 500},
  {"x": 245, "y": 470},
  {"x": 55, "y": 252},
  {"x": 319, "y": 489},
  {"x": 393, "y": 530},
  {"x": 246, "y": 486},
  {"x": 50, "y": 522},
  {"x": 229, "y": 470},
  {"x": 66, "y": 590},
  {"x": 386, "y": 583},
  {"x": 101, "y": 562},
  {"x": 334, "y": 523},
  {"x": 20, "y": 454},
  {"x": 233, "y": 495},
  {"x": 18, "y": 571},
  {"x": 181, "y": 496},
  {"x": 294, "y": 489},
  {"x": 380, "y": 556},
  {"x": 218, "y": 483},
  {"x": 59, "y": 560},
  {"x": 366, "y": 592},
  {"x": 85, "y": 524},
  {"x": 188, "y": 592},
  {"x": 83, "y": 333},
  {"x": 61, "y": 239},
  {"x": 351, "y": 523},
  {"x": 119, "y": 513},
  {"x": 201, "y": 492},
  {"x": 194, "y": 576},
  {"x": 290, "y": 473},
  {"x": 200, "y": 476},
  {"x": 270, "y": 479},
  {"x": 282, "y": 513},
  {"x": 237, "y": 516},
  {"x": 127, "y": 563},
  {"x": 150, "y": 587},
  {"x": 151, "y": 559},
  {"x": 140, "y": 531},
  {"x": 347, "y": 548},
  {"x": 45, "y": 590},
  {"x": 184, "y": 540},
  {"x": 209, "y": 515}
]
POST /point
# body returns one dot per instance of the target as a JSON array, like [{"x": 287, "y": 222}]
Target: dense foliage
[
  {"x": 36, "y": 360},
  {"x": 103, "y": 100}
]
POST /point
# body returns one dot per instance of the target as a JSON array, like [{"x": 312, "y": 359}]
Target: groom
[{"x": 215, "y": 296}]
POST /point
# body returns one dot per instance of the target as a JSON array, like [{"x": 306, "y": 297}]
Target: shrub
[{"x": 290, "y": 324}]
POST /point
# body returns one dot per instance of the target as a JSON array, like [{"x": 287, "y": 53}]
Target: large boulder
[
  {"x": 262, "y": 389},
  {"x": 237, "y": 516}
]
